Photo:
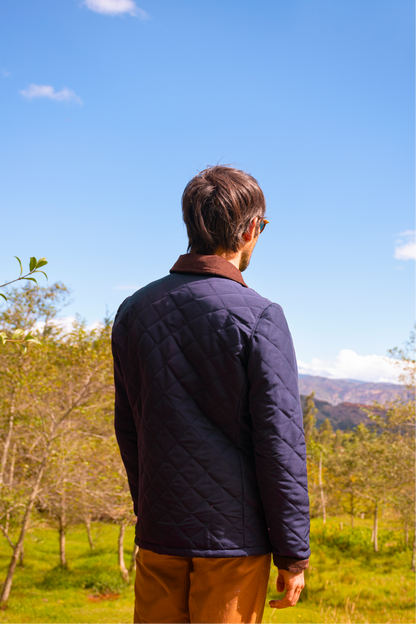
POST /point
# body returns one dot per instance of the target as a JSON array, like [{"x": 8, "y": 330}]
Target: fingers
[
  {"x": 280, "y": 584},
  {"x": 294, "y": 588},
  {"x": 286, "y": 601}
]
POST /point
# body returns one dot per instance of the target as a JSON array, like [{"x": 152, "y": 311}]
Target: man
[{"x": 209, "y": 422}]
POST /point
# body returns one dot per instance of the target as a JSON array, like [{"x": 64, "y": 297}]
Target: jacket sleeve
[
  {"x": 126, "y": 433},
  {"x": 279, "y": 440}
]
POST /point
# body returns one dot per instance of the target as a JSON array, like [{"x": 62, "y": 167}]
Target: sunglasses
[{"x": 262, "y": 224}]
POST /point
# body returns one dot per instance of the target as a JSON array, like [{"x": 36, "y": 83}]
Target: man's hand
[{"x": 293, "y": 583}]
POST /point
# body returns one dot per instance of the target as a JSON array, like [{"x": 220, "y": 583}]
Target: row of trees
[
  {"x": 58, "y": 453},
  {"x": 59, "y": 458},
  {"x": 371, "y": 467}
]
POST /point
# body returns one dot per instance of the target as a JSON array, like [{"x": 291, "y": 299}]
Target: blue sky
[{"x": 109, "y": 107}]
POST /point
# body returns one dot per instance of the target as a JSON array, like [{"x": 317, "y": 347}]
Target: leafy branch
[
  {"x": 18, "y": 335},
  {"x": 34, "y": 267},
  {"x": 18, "y": 338}
]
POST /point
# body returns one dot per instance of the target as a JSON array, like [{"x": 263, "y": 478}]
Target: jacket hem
[{"x": 193, "y": 552}]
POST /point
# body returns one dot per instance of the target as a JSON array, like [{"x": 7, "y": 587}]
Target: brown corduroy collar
[{"x": 211, "y": 265}]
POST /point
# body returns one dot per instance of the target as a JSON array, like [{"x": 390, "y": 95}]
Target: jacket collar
[{"x": 211, "y": 265}]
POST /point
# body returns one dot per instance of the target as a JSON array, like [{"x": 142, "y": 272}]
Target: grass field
[{"x": 346, "y": 581}]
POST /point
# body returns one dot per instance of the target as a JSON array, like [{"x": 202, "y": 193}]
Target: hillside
[
  {"x": 342, "y": 416},
  {"x": 337, "y": 391}
]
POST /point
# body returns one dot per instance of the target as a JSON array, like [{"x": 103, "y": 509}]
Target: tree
[
  {"x": 319, "y": 451},
  {"x": 396, "y": 422},
  {"x": 403, "y": 416},
  {"x": 66, "y": 382},
  {"x": 116, "y": 502},
  {"x": 347, "y": 472},
  {"x": 376, "y": 461},
  {"x": 27, "y": 308},
  {"x": 58, "y": 496},
  {"x": 309, "y": 416},
  {"x": 324, "y": 436},
  {"x": 406, "y": 363}
]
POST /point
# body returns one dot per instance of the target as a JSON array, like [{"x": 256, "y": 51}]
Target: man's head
[{"x": 222, "y": 207}]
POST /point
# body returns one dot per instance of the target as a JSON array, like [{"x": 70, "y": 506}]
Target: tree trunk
[
  {"x": 132, "y": 567},
  {"x": 87, "y": 516},
  {"x": 62, "y": 527},
  {"x": 11, "y": 479},
  {"x": 88, "y": 527},
  {"x": 12, "y": 464},
  {"x": 62, "y": 535},
  {"x": 322, "y": 490},
  {"x": 121, "y": 564},
  {"x": 375, "y": 528},
  {"x": 6, "y": 446},
  {"x": 25, "y": 524}
]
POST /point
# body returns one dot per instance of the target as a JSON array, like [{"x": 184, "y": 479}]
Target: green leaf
[
  {"x": 17, "y": 334},
  {"x": 41, "y": 262},
  {"x": 4, "y": 296},
  {"x": 21, "y": 268},
  {"x": 32, "y": 279},
  {"x": 32, "y": 263},
  {"x": 3, "y": 337},
  {"x": 30, "y": 338},
  {"x": 41, "y": 272}
]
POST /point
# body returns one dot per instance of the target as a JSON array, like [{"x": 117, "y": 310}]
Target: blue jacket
[{"x": 208, "y": 417}]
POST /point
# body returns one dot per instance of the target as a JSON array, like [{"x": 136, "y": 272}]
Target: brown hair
[{"x": 218, "y": 206}]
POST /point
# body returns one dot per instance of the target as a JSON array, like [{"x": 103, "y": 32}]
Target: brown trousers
[{"x": 198, "y": 589}]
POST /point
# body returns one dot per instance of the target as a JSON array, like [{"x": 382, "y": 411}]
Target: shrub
[
  {"x": 356, "y": 541},
  {"x": 104, "y": 583},
  {"x": 58, "y": 578}
]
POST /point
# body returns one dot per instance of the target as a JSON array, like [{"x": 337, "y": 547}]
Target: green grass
[
  {"x": 42, "y": 592},
  {"x": 346, "y": 581}
]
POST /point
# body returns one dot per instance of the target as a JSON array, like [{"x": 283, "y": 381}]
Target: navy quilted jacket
[{"x": 208, "y": 417}]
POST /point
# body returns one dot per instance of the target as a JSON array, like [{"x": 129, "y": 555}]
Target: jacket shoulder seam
[{"x": 258, "y": 319}]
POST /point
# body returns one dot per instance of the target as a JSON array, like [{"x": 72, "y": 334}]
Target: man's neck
[{"x": 231, "y": 256}]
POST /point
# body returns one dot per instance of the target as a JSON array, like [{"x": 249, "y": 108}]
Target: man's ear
[{"x": 248, "y": 234}]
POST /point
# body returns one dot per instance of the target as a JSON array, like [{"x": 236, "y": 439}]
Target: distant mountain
[
  {"x": 337, "y": 391},
  {"x": 342, "y": 416}
]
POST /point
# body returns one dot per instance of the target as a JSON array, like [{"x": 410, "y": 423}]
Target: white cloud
[
  {"x": 350, "y": 365},
  {"x": 65, "y": 323},
  {"x": 46, "y": 91},
  {"x": 116, "y": 7},
  {"x": 406, "y": 246}
]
